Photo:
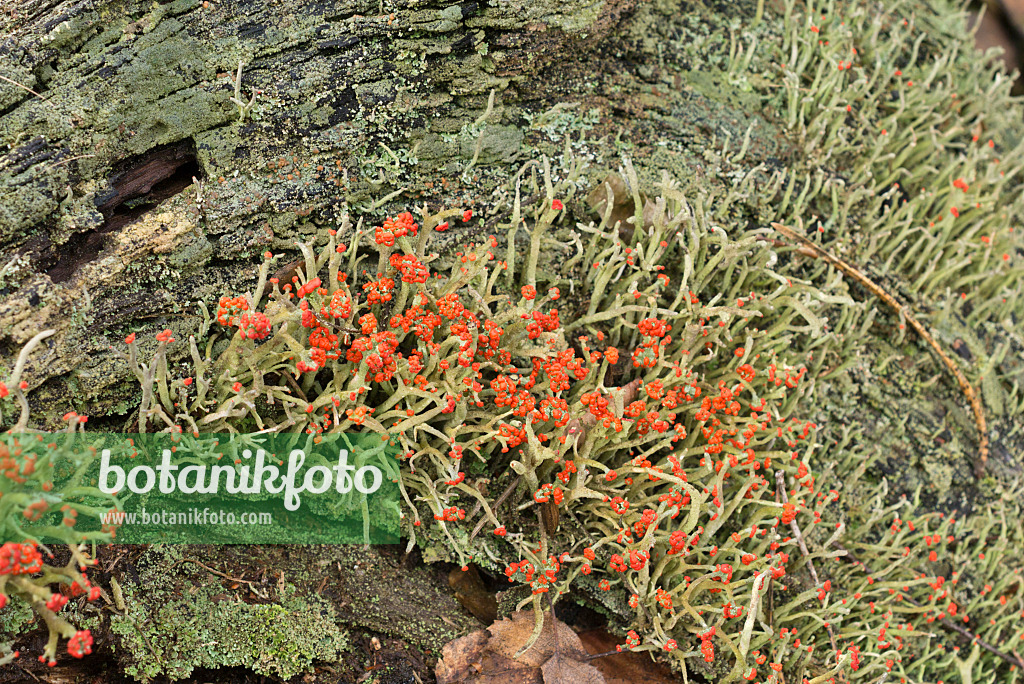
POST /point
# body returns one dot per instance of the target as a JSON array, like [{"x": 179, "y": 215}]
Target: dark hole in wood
[{"x": 137, "y": 186}]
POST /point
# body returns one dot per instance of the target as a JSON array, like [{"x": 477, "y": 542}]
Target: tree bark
[{"x": 132, "y": 186}]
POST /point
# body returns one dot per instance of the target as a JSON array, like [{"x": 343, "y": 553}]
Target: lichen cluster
[
  {"x": 643, "y": 410},
  {"x": 44, "y": 495},
  {"x": 912, "y": 151},
  {"x": 648, "y": 415},
  {"x": 165, "y": 633}
]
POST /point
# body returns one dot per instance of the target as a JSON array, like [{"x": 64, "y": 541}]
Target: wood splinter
[{"x": 965, "y": 386}]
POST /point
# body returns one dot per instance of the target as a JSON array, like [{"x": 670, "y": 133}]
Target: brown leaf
[
  {"x": 653, "y": 213},
  {"x": 549, "y": 516},
  {"x": 511, "y": 635},
  {"x": 630, "y": 391},
  {"x": 497, "y": 669},
  {"x": 472, "y": 594},
  {"x": 598, "y": 197},
  {"x": 1014, "y": 10},
  {"x": 561, "y": 669},
  {"x": 625, "y": 667},
  {"x": 468, "y": 660},
  {"x": 283, "y": 275},
  {"x": 459, "y": 657},
  {"x": 575, "y": 430},
  {"x": 994, "y": 33},
  {"x": 488, "y": 656}
]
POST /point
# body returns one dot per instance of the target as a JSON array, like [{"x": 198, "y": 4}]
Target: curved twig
[{"x": 875, "y": 289}]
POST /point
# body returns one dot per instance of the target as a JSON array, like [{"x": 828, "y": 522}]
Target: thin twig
[
  {"x": 295, "y": 386},
  {"x": 15, "y": 83},
  {"x": 252, "y": 585},
  {"x": 501, "y": 499},
  {"x": 62, "y": 163},
  {"x": 29, "y": 673},
  {"x": 780, "y": 481},
  {"x": 875, "y": 289},
  {"x": 595, "y": 656}
]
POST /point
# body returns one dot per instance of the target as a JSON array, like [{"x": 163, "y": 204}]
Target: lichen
[
  {"x": 170, "y": 630},
  {"x": 868, "y": 127}
]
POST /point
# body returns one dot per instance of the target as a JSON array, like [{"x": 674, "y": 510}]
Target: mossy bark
[{"x": 132, "y": 187}]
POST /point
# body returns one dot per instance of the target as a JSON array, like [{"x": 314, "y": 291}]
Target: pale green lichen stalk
[
  {"x": 654, "y": 380},
  {"x": 44, "y": 494}
]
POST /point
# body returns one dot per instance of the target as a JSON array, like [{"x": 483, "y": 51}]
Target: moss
[{"x": 15, "y": 619}]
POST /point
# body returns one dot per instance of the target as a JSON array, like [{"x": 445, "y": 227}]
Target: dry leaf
[
  {"x": 549, "y": 516},
  {"x": 487, "y": 656},
  {"x": 625, "y": 667},
  {"x": 472, "y": 594},
  {"x": 565, "y": 670},
  {"x": 1015, "y": 12},
  {"x": 461, "y": 658},
  {"x": 654, "y": 213},
  {"x": 993, "y": 32},
  {"x": 511, "y": 634}
]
